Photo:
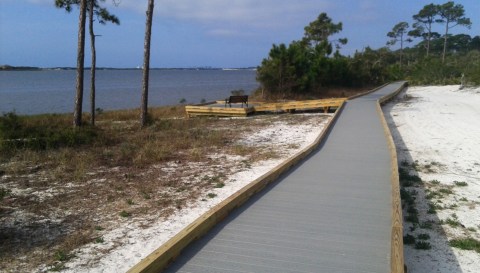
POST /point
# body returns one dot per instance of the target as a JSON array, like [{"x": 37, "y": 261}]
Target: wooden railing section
[
  {"x": 396, "y": 255},
  {"x": 218, "y": 109}
]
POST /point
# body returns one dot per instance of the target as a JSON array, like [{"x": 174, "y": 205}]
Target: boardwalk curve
[{"x": 332, "y": 213}]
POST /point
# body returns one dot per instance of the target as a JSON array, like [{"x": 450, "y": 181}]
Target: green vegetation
[
  {"x": 313, "y": 64},
  {"x": 211, "y": 195},
  {"x": 423, "y": 236},
  {"x": 423, "y": 245},
  {"x": 125, "y": 214},
  {"x": 453, "y": 221},
  {"x": 42, "y": 132},
  {"x": 466, "y": 244},
  {"x": 4, "y": 193},
  {"x": 219, "y": 185},
  {"x": 409, "y": 239},
  {"x": 460, "y": 183}
]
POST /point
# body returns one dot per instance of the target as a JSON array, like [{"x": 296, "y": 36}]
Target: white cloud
[
  {"x": 228, "y": 17},
  {"x": 265, "y": 13}
]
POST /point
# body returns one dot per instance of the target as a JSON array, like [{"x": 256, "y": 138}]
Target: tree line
[
  {"x": 314, "y": 62},
  {"x": 94, "y": 10}
]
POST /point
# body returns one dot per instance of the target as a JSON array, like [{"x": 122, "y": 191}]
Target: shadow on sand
[{"x": 440, "y": 258}]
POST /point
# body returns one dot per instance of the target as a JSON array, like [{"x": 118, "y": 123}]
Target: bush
[{"x": 41, "y": 132}]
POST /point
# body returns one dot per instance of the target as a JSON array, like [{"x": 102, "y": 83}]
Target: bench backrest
[{"x": 235, "y": 99}]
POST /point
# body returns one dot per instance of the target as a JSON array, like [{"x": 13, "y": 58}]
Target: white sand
[
  {"x": 127, "y": 245},
  {"x": 440, "y": 127}
]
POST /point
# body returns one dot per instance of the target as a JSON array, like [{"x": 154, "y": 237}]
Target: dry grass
[{"x": 56, "y": 200}]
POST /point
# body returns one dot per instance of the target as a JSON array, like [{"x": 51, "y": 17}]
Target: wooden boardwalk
[
  {"x": 332, "y": 213},
  {"x": 219, "y": 108}
]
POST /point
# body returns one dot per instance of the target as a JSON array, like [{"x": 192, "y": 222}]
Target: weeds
[
  {"x": 423, "y": 245},
  {"x": 61, "y": 256},
  {"x": 466, "y": 244},
  {"x": 460, "y": 183},
  {"x": 219, "y": 185},
  {"x": 4, "y": 193},
  {"x": 435, "y": 182},
  {"x": 423, "y": 236},
  {"x": 41, "y": 133},
  {"x": 453, "y": 221},
  {"x": 426, "y": 225},
  {"x": 445, "y": 191},
  {"x": 125, "y": 214},
  {"x": 409, "y": 239},
  {"x": 211, "y": 195}
]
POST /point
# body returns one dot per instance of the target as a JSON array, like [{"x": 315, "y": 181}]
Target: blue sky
[{"x": 192, "y": 33}]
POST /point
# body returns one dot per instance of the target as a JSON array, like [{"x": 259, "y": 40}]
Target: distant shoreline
[{"x": 33, "y": 68}]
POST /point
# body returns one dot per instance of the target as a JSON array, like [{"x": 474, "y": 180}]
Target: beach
[{"x": 437, "y": 134}]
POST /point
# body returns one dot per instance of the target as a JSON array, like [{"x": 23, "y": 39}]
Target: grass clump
[
  {"x": 435, "y": 182},
  {"x": 423, "y": 245},
  {"x": 211, "y": 195},
  {"x": 62, "y": 256},
  {"x": 409, "y": 239},
  {"x": 423, "y": 236},
  {"x": 426, "y": 225},
  {"x": 453, "y": 222},
  {"x": 460, "y": 183},
  {"x": 466, "y": 244},
  {"x": 125, "y": 214},
  {"x": 445, "y": 191},
  {"x": 219, "y": 185},
  {"x": 4, "y": 193}
]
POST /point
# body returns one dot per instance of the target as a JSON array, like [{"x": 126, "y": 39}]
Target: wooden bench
[{"x": 236, "y": 99}]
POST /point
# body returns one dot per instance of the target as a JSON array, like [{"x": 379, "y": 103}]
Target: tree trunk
[
  {"x": 77, "y": 114},
  {"x": 401, "y": 51},
  {"x": 445, "y": 43},
  {"x": 428, "y": 43},
  {"x": 146, "y": 64},
  {"x": 94, "y": 62}
]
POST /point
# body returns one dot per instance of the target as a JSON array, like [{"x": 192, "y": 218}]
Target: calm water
[{"x": 53, "y": 91}]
